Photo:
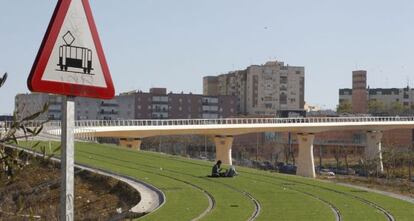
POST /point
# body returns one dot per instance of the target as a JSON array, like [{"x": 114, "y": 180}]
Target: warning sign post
[
  {"x": 71, "y": 62},
  {"x": 67, "y": 197}
]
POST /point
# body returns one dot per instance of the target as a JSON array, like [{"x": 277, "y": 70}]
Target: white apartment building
[{"x": 261, "y": 89}]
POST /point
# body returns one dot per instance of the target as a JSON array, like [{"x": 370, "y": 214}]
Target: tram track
[{"x": 253, "y": 200}]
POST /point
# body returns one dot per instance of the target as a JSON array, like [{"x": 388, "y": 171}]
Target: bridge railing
[
  {"x": 29, "y": 124},
  {"x": 232, "y": 121},
  {"x": 224, "y": 121}
]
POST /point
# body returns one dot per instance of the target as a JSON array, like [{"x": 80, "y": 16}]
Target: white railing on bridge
[
  {"x": 52, "y": 128},
  {"x": 29, "y": 124},
  {"x": 229, "y": 121}
]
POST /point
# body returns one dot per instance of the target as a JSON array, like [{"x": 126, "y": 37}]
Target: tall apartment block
[
  {"x": 155, "y": 104},
  {"x": 261, "y": 89},
  {"x": 360, "y": 95}
]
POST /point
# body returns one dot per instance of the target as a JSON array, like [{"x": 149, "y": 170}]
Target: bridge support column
[
  {"x": 305, "y": 162},
  {"x": 134, "y": 143},
  {"x": 373, "y": 149},
  {"x": 223, "y": 148}
]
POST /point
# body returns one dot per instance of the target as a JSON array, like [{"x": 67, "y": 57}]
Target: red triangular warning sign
[{"x": 71, "y": 60}]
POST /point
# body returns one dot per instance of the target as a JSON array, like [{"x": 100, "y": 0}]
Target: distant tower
[{"x": 359, "y": 92}]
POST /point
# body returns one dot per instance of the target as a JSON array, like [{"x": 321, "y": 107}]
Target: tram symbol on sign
[{"x": 74, "y": 56}]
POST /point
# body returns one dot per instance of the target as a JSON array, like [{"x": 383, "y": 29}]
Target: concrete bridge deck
[{"x": 130, "y": 132}]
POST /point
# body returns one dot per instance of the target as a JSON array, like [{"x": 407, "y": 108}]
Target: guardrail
[{"x": 226, "y": 121}]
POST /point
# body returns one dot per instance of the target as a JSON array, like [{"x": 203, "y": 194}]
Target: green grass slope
[{"x": 279, "y": 197}]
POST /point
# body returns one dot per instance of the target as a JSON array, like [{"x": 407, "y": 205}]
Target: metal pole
[
  {"x": 205, "y": 146},
  {"x": 257, "y": 146},
  {"x": 67, "y": 156},
  {"x": 290, "y": 146}
]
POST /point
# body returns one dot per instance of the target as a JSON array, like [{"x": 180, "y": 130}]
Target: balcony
[
  {"x": 160, "y": 110},
  {"x": 109, "y": 105},
  {"x": 210, "y": 112},
  {"x": 102, "y": 112},
  {"x": 55, "y": 103}
]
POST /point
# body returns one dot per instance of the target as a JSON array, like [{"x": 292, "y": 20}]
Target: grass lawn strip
[
  {"x": 192, "y": 201},
  {"x": 269, "y": 212},
  {"x": 288, "y": 205},
  {"x": 279, "y": 195},
  {"x": 227, "y": 199},
  {"x": 400, "y": 210}
]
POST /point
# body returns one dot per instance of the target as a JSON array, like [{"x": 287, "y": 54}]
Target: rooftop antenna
[{"x": 408, "y": 82}]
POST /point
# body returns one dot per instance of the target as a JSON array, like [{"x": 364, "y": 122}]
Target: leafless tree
[{"x": 11, "y": 133}]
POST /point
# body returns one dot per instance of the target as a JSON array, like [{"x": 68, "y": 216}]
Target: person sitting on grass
[
  {"x": 231, "y": 172},
  {"x": 216, "y": 171}
]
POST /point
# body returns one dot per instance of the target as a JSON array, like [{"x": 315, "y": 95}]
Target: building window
[
  {"x": 357, "y": 138},
  {"x": 283, "y": 79},
  {"x": 283, "y": 98}
]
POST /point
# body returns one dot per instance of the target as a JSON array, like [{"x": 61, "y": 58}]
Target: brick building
[
  {"x": 155, "y": 104},
  {"x": 360, "y": 96}
]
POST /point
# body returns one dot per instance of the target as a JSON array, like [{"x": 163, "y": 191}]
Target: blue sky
[{"x": 173, "y": 44}]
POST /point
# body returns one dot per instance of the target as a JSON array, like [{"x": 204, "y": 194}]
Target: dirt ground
[{"x": 34, "y": 194}]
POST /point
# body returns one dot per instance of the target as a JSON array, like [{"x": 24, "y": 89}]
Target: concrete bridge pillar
[
  {"x": 134, "y": 143},
  {"x": 223, "y": 148},
  {"x": 305, "y": 162},
  {"x": 373, "y": 148}
]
